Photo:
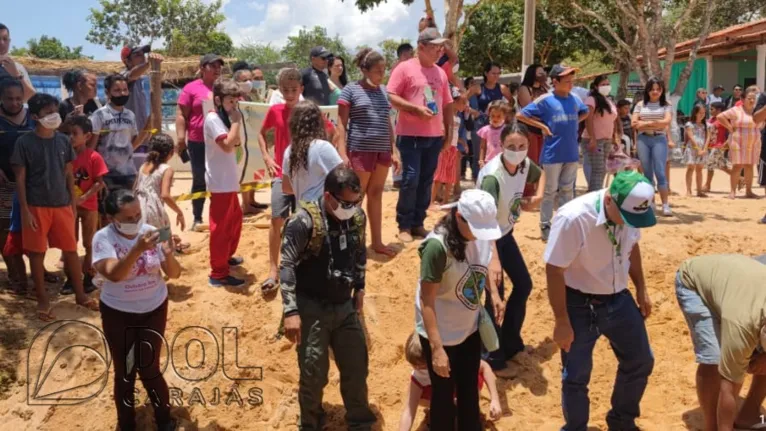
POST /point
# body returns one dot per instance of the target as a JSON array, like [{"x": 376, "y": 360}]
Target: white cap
[{"x": 478, "y": 209}]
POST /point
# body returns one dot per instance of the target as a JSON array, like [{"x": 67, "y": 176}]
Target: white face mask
[
  {"x": 344, "y": 213},
  {"x": 246, "y": 86},
  {"x": 605, "y": 90},
  {"x": 51, "y": 121},
  {"x": 514, "y": 157},
  {"x": 129, "y": 229}
]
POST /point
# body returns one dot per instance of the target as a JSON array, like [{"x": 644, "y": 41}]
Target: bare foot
[
  {"x": 383, "y": 249},
  {"x": 732, "y": 196},
  {"x": 701, "y": 194},
  {"x": 751, "y": 195},
  {"x": 434, "y": 206},
  {"x": 688, "y": 193}
]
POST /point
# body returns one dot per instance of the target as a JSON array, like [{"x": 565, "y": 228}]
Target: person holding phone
[{"x": 131, "y": 258}]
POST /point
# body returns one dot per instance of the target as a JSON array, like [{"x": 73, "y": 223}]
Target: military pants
[{"x": 325, "y": 325}]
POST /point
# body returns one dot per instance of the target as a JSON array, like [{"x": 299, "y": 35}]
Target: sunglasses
[{"x": 347, "y": 204}]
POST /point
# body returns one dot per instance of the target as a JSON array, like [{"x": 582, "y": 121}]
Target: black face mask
[
  {"x": 9, "y": 113},
  {"x": 119, "y": 100}
]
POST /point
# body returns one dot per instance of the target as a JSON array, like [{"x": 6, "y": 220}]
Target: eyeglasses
[{"x": 347, "y": 204}]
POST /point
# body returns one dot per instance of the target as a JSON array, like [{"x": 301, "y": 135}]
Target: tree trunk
[
  {"x": 683, "y": 78},
  {"x": 453, "y": 10},
  {"x": 622, "y": 89}
]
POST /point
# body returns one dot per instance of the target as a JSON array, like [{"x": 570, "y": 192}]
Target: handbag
[{"x": 487, "y": 331}]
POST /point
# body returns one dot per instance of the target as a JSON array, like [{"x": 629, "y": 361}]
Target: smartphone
[
  {"x": 185, "y": 156},
  {"x": 164, "y": 234}
]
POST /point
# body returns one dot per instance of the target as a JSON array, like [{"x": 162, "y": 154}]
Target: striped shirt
[
  {"x": 368, "y": 120},
  {"x": 652, "y": 111}
]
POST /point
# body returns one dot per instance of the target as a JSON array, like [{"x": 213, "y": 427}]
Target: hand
[
  {"x": 359, "y": 300},
  {"x": 396, "y": 162},
  {"x": 80, "y": 201},
  {"x": 440, "y": 362},
  {"x": 546, "y": 131},
  {"x": 181, "y": 221},
  {"x": 592, "y": 145},
  {"x": 495, "y": 272},
  {"x": 9, "y": 65},
  {"x": 495, "y": 411},
  {"x": 344, "y": 157},
  {"x": 28, "y": 219},
  {"x": 235, "y": 116},
  {"x": 447, "y": 142},
  {"x": 157, "y": 57},
  {"x": 273, "y": 167},
  {"x": 147, "y": 241},
  {"x": 293, "y": 328},
  {"x": 644, "y": 304},
  {"x": 671, "y": 144},
  {"x": 757, "y": 364},
  {"x": 181, "y": 147},
  {"x": 168, "y": 247},
  {"x": 424, "y": 113},
  {"x": 481, "y": 164},
  {"x": 78, "y": 110},
  {"x": 702, "y": 153},
  {"x": 498, "y": 307},
  {"x": 530, "y": 203},
  {"x": 563, "y": 334}
]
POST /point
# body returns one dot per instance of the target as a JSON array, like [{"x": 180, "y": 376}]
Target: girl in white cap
[
  {"x": 453, "y": 273},
  {"x": 505, "y": 178}
]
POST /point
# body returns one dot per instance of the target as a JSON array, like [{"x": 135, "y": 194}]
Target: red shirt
[
  {"x": 278, "y": 118},
  {"x": 721, "y": 134},
  {"x": 87, "y": 167}
]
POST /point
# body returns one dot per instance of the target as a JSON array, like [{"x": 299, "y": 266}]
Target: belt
[
  {"x": 595, "y": 299},
  {"x": 652, "y": 133}
]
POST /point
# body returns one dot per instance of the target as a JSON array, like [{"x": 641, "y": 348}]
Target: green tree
[
  {"x": 260, "y": 54},
  {"x": 49, "y": 47},
  {"x": 388, "y": 47},
  {"x": 190, "y": 25},
  {"x": 298, "y": 47},
  {"x": 726, "y": 14}
]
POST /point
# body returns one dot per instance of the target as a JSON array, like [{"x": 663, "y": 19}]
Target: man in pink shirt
[{"x": 419, "y": 90}]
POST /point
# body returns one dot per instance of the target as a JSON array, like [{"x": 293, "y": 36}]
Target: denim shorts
[
  {"x": 704, "y": 328},
  {"x": 282, "y": 205}
]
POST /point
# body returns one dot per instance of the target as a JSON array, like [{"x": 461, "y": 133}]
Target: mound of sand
[{"x": 219, "y": 391}]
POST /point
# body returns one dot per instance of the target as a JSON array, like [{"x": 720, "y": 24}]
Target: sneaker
[
  {"x": 419, "y": 232},
  {"x": 666, "y": 210},
  {"x": 405, "y": 236},
  {"x": 228, "y": 281},
  {"x": 87, "y": 283},
  {"x": 195, "y": 225},
  {"x": 544, "y": 232},
  {"x": 67, "y": 288},
  {"x": 236, "y": 261},
  {"x": 397, "y": 185}
]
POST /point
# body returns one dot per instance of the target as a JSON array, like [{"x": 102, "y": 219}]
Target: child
[
  {"x": 222, "y": 135},
  {"x": 419, "y": 392},
  {"x": 448, "y": 165},
  {"x": 89, "y": 168},
  {"x": 695, "y": 148},
  {"x": 717, "y": 137},
  {"x": 42, "y": 161},
  {"x": 155, "y": 178},
  {"x": 623, "y": 111},
  {"x": 499, "y": 112}
]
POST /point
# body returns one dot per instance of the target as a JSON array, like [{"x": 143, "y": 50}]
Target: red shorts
[
  {"x": 13, "y": 244},
  {"x": 55, "y": 228},
  {"x": 367, "y": 161},
  {"x": 446, "y": 169}
]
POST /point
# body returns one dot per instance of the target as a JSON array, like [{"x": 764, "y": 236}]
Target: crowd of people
[{"x": 67, "y": 169}]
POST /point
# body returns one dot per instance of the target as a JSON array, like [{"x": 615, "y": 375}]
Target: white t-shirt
[
  {"x": 579, "y": 241},
  {"x": 309, "y": 185},
  {"x": 144, "y": 290},
  {"x": 221, "y": 170},
  {"x": 116, "y": 130}
]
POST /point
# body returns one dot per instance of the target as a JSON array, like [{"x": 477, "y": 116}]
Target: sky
[{"x": 266, "y": 21}]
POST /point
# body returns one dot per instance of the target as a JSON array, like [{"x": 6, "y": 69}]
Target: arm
[
  {"x": 182, "y": 114},
  {"x": 507, "y": 94},
  {"x": 482, "y": 151},
  {"x": 618, "y": 131},
  {"x": 296, "y": 237},
  {"x": 343, "y": 112},
  {"x": 534, "y": 122},
  {"x": 170, "y": 265},
  {"x": 589, "y": 127},
  {"x": 759, "y": 116},
  {"x": 490, "y": 381},
  {"x": 557, "y": 295},
  {"x": 98, "y": 185},
  {"x": 69, "y": 172},
  {"x": 287, "y": 186},
  {"x": 116, "y": 270},
  {"x": 232, "y": 139},
  {"x": 428, "y": 306},
  {"x": 21, "y": 189},
  {"x": 141, "y": 137},
  {"x": 361, "y": 263},
  {"x": 402, "y": 105},
  {"x": 138, "y": 71},
  {"x": 525, "y": 97},
  {"x": 448, "y": 117},
  {"x": 725, "y": 122},
  {"x": 167, "y": 198},
  {"x": 636, "y": 272},
  {"x": 411, "y": 408}
]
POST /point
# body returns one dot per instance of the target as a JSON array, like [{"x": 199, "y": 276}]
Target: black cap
[
  {"x": 561, "y": 70},
  {"x": 210, "y": 58},
  {"x": 129, "y": 50},
  {"x": 320, "y": 51}
]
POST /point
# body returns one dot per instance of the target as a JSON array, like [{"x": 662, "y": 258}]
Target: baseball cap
[
  {"x": 633, "y": 194},
  {"x": 719, "y": 87},
  {"x": 320, "y": 51},
  {"x": 478, "y": 209},
  {"x": 431, "y": 35},
  {"x": 129, "y": 50},
  {"x": 561, "y": 70},
  {"x": 210, "y": 58}
]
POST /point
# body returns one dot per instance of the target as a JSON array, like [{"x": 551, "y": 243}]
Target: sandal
[
  {"x": 90, "y": 304},
  {"x": 269, "y": 286},
  {"x": 51, "y": 278},
  {"x": 46, "y": 315}
]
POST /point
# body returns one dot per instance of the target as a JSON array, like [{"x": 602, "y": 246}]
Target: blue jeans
[
  {"x": 516, "y": 308},
  {"x": 559, "y": 181},
  {"x": 420, "y": 156},
  {"x": 653, "y": 153},
  {"x": 617, "y": 317}
]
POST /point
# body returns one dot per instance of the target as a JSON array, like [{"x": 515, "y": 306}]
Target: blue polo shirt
[{"x": 561, "y": 115}]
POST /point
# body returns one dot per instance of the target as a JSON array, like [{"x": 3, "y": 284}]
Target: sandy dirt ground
[{"x": 218, "y": 393}]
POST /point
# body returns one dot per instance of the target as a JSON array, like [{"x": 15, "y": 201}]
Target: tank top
[
  {"x": 511, "y": 190},
  {"x": 489, "y": 95}
]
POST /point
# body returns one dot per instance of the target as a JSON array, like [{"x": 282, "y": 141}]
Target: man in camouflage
[{"x": 323, "y": 263}]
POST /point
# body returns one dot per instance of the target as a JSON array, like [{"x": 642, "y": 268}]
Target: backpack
[{"x": 319, "y": 231}]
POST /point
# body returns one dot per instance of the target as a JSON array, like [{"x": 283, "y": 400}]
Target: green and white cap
[{"x": 634, "y": 194}]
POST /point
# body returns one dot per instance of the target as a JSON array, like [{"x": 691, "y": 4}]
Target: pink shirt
[
  {"x": 193, "y": 96},
  {"x": 603, "y": 124},
  {"x": 408, "y": 81},
  {"x": 492, "y": 136}
]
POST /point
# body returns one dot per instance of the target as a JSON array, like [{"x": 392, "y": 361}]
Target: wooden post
[{"x": 156, "y": 98}]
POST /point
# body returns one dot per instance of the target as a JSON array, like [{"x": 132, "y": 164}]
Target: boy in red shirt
[{"x": 717, "y": 136}]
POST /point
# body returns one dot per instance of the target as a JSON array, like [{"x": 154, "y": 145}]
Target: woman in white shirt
[{"x": 130, "y": 257}]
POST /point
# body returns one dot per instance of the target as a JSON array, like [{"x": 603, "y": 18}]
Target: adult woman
[
  {"x": 193, "y": 102},
  {"x": 651, "y": 119},
  {"x": 370, "y": 148},
  {"x": 81, "y": 86},
  {"x": 533, "y": 86},
  {"x": 338, "y": 78},
  {"x": 602, "y": 128},
  {"x": 491, "y": 89},
  {"x": 453, "y": 273},
  {"x": 127, "y": 254},
  {"x": 744, "y": 126}
]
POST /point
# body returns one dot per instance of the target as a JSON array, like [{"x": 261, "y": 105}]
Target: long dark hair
[
  {"x": 455, "y": 242},
  {"x": 515, "y": 128},
  {"x": 530, "y": 76},
  {"x": 487, "y": 68},
  {"x": 693, "y": 118},
  {"x": 306, "y": 124},
  {"x": 160, "y": 147},
  {"x": 343, "y": 76},
  {"x": 602, "y": 105},
  {"x": 649, "y": 84}
]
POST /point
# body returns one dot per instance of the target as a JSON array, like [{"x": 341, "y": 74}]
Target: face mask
[
  {"x": 119, "y": 100},
  {"x": 51, "y": 121},
  {"x": 605, "y": 90},
  {"x": 246, "y": 86},
  {"x": 514, "y": 157},
  {"x": 344, "y": 213},
  {"x": 129, "y": 229}
]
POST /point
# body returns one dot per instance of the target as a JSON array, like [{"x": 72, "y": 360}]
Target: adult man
[
  {"x": 315, "y": 85},
  {"x": 723, "y": 300},
  {"x": 323, "y": 260},
  {"x": 557, "y": 114},
  {"x": 593, "y": 248},
  {"x": 136, "y": 66},
  {"x": 259, "y": 85},
  {"x": 716, "y": 96},
  {"x": 10, "y": 68},
  {"x": 419, "y": 90},
  {"x": 736, "y": 96},
  {"x": 702, "y": 100}
]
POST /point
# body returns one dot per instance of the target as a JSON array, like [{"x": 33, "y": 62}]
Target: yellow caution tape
[{"x": 199, "y": 195}]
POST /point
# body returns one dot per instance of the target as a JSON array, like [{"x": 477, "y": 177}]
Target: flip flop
[
  {"x": 46, "y": 315},
  {"x": 90, "y": 304},
  {"x": 268, "y": 286}
]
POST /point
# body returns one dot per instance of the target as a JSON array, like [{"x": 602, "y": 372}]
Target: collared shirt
[{"x": 580, "y": 242}]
